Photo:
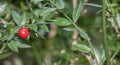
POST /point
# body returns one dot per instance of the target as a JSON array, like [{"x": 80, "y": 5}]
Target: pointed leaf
[
  {"x": 16, "y": 17},
  {"x": 102, "y": 57},
  {"x": 35, "y": 0},
  {"x": 43, "y": 11},
  {"x": 7, "y": 37},
  {"x": 14, "y": 30},
  {"x": 36, "y": 12},
  {"x": 29, "y": 15},
  {"x": 2, "y": 8},
  {"x": 33, "y": 27},
  {"x": 62, "y": 22},
  {"x": 12, "y": 46},
  {"x": 77, "y": 11},
  {"x": 83, "y": 34},
  {"x": 60, "y": 4},
  {"x": 69, "y": 29},
  {"x": 82, "y": 48},
  {"x": 46, "y": 10},
  {"x": 96, "y": 54},
  {"x": 48, "y": 16},
  {"x": 45, "y": 28},
  {"x": 23, "y": 19},
  {"x": 40, "y": 4},
  {"x": 21, "y": 45},
  {"x": 4, "y": 55},
  {"x": 41, "y": 33},
  {"x": 118, "y": 20}
]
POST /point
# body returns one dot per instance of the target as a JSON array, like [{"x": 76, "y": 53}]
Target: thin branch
[
  {"x": 105, "y": 33},
  {"x": 3, "y": 47},
  {"x": 91, "y": 4},
  {"x": 115, "y": 54}
]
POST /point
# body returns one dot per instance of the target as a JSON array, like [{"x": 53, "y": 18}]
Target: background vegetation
[{"x": 61, "y": 32}]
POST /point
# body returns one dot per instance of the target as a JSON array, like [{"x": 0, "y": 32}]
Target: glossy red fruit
[{"x": 23, "y": 33}]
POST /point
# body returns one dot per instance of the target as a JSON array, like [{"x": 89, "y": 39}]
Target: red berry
[{"x": 23, "y": 33}]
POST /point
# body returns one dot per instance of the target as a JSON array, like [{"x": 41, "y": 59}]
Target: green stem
[
  {"x": 28, "y": 5},
  {"x": 78, "y": 29},
  {"x": 105, "y": 33},
  {"x": 115, "y": 54},
  {"x": 91, "y": 4},
  {"x": 93, "y": 51},
  {"x": 3, "y": 47},
  {"x": 22, "y": 6},
  {"x": 90, "y": 44}
]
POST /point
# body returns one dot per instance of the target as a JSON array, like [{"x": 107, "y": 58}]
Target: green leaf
[
  {"x": 48, "y": 16},
  {"x": 83, "y": 34},
  {"x": 33, "y": 27},
  {"x": 2, "y": 8},
  {"x": 46, "y": 10},
  {"x": 40, "y": 4},
  {"x": 65, "y": 55},
  {"x": 45, "y": 28},
  {"x": 10, "y": 37},
  {"x": 14, "y": 30},
  {"x": 35, "y": 0},
  {"x": 43, "y": 11},
  {"x": 36, "y": 12},
  {"x": 69, "y": 29},
  {"x": 7, "y": 37},
  {"x": 96, "y": 54},
  {"x": 16, "y": 17},
  {"x": 62, "y": 22},
  {"x": 118, "y": 20},
  {"x": 12, "y": 46},
  {"x": 21, "y": 45},
  {"x": 82, "y": 48},
  {"x": 60, "y": 4},
  {"x": 4, "y": 55},
  {"x": 23, "y": 19},
  {"x": 77, "y": 11},
  {"x": 102, "y": 57},
  {"x": 29, "y": 15}
]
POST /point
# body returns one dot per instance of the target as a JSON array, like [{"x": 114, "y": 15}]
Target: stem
[
  {"x": 91, "y": 4},
  {"x": 93, "y": 51},
  {"x": 22, "y": 6},
  {"x": 78, "y": 29},
  {"x": 105, "y": 33},
  {"x": 28, "y": 5},
  {"x": 115, "y": 54},
  {"x": 90, "y": 44},
  {"x": 3, "y": 47}
]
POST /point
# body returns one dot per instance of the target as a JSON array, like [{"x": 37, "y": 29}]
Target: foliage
[{"x": 51, "y": 24}]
